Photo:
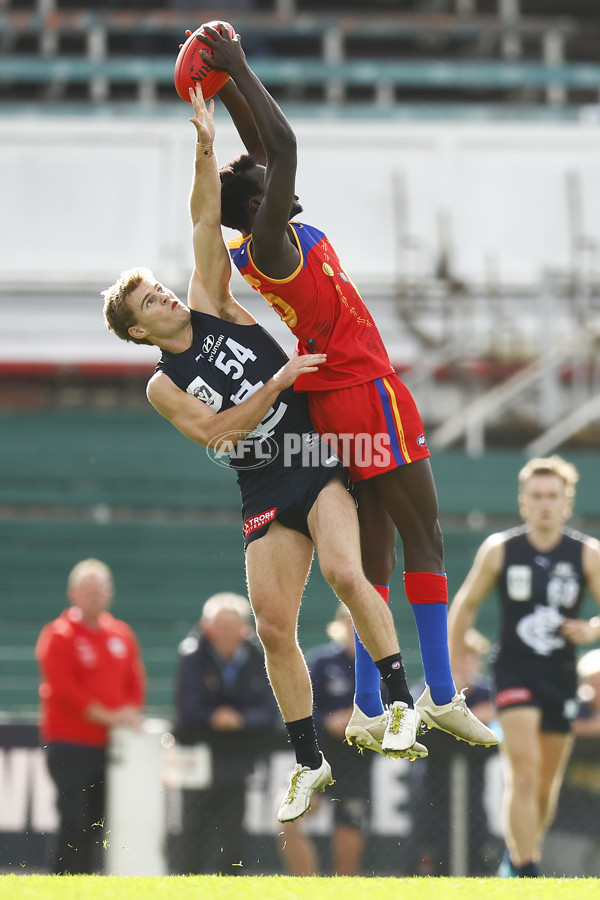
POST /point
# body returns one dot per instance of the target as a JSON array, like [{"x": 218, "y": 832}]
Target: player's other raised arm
[
  {"x": 209, "y": 284},
  {"x": 273, "y": 251},
  {"x": 241, "y": 115}
]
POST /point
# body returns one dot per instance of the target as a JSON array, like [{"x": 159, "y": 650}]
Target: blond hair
[
  {"x": 118, "y": 315},
  {"x": 551, "y": 465},
  {"x": 229, "y": 601},
  {"x": 88, "y": 567}
]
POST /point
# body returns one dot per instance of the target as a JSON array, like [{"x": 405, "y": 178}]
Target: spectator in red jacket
[{"x": 92, "y": 679}]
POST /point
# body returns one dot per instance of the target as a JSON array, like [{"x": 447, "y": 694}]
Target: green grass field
[{"x": 214, "y": 887}]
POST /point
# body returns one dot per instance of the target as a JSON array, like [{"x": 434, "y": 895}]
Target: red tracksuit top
[{"x": 80, "y": 665}]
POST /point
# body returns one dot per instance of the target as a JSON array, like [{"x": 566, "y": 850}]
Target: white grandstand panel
[{"x": 84, "y": 198}]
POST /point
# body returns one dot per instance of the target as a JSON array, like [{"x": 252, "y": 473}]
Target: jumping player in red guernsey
[
  {"x": 222, "y": 380},
  {"x": 342, "y": 325},
  {"x": 357, "y": 397}
]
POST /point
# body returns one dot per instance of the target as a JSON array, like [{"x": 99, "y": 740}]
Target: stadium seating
[
  {"x": 108, "y": 459},
  {"x": 125, "y": 488},
  {"x": 473, "y": 51}
]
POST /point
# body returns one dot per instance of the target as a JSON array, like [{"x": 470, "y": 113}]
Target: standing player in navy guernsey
[
  {"x": 541, "y": 571},
  {"x": 355, "y": 397},
  {"x": 224, "y": 382}
]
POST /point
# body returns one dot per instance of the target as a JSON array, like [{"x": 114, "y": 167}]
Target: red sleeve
[
  {"x": 135, "y": 688},
  {"x": 56, "y": 659}
]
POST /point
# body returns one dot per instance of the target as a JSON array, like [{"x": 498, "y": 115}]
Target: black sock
[
  {"x": 303, "y": 737},
  {"x": 529, "y": 870},
  {"x": 394, "y": 678}
]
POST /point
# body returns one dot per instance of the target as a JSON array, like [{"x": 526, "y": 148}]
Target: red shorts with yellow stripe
[{"x": 374, "y": 427}]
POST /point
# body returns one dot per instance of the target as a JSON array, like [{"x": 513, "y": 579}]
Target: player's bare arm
[
  {"x": 209, "y": 289},
  {"x": 586, "y": 631},
  {"x": 201, "y": 424},
  {"x": 476, "y": 587},
  {"x": 273, "y": 250},
  {"x": 241, "y": 116}
]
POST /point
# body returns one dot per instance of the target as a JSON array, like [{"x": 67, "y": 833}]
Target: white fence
[
  {"x": 142, "y": 809},
  {"x": 83, "y": 198}
]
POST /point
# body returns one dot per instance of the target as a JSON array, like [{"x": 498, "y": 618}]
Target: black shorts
[
  {"x": 548, "y": 686},
  {"x": 286, "y": 494}
]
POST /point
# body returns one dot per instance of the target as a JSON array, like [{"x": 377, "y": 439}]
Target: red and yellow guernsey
[{"x": 323, "y": 308}]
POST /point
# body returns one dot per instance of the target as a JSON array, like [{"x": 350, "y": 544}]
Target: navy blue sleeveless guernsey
[
  {"x": 537, "y": 591},
  {"x": 225, "y": 365}
]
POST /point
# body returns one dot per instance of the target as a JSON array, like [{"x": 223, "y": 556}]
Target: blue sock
[
  {"x": 427, "y": 594},
  {"x": 367, "y": 686},
  {"x": 367, "y": 678},
  {"x": 432, "y": 628}
]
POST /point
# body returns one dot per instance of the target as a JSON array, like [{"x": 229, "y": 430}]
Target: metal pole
[{"x": 458, "y": 816}]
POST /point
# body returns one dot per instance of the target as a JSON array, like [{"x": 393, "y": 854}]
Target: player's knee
[
  {"x": 345, "y": 581},
  {"x": 274, "y": 632}
]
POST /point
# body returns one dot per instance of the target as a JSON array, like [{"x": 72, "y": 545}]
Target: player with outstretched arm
[{"x": 223, "y": 381}]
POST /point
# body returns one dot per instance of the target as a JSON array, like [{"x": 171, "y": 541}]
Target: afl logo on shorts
[
  {"x": 422, "y": 440},
  {"x": 208, "y": 343}
]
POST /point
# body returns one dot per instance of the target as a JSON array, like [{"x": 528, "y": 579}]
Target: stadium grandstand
[{"x": 516, "y": 53}]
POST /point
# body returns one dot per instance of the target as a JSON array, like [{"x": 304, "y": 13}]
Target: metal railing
[{"x": 543, "y": 374}]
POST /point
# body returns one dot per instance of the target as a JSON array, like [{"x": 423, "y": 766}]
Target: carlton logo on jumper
[{"x": 233, "y": 450}]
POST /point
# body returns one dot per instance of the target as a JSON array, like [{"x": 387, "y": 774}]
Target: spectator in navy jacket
[{"x": 223, "y": 699}]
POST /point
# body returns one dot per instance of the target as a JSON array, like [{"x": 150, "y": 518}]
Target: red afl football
[{"x": 190, "y": 68}]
